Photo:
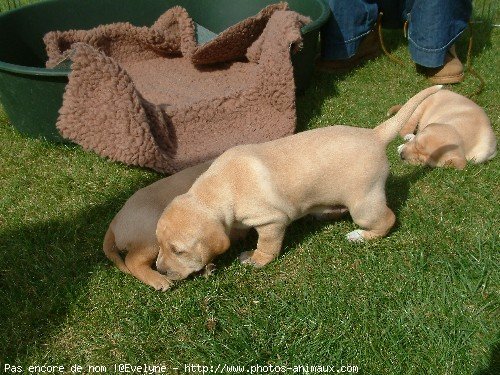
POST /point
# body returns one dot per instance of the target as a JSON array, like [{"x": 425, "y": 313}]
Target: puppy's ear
[
  {"x": 160, "y": 230},
  {"x": 450, "y": 155}
]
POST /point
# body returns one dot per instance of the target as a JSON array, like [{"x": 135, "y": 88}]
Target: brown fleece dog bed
[{"x": 152, "y": 97}]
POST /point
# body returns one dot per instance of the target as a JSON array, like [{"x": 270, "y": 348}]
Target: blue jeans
[{"x": 433, "y": 26}]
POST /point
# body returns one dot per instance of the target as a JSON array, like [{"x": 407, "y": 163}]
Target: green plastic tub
[{"x": 32, "y": 95}]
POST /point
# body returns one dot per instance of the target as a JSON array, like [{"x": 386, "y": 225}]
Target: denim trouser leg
[
  {"x": 434, "y": 25},
  {"x": 351, "y": 20}
]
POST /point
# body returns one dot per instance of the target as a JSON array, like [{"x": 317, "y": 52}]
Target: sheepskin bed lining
[
  {"x": 173, "y": 82},
  {"x": 153, "y": 97}
]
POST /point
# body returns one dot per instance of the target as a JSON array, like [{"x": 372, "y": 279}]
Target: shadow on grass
[
  {"x": 309, "y": 105},
  {"x": 44, "y": 269},
  {"x": 480, "y": 31},
  {"x": 494, "y": 363},
  {"x": 398, "y": 187},
  {"x": 324, "y": 84}
]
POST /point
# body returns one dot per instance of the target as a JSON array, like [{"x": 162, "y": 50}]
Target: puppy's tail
[
  {"x": 112, "y": 252},
  {"x": 390, "y": 128}
]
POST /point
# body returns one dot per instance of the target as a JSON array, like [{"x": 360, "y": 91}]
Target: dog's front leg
[{"x": 268, "y": 245}]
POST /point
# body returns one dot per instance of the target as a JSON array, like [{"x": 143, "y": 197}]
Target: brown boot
[
  {"x": 451, "y": 72},
  {"x": 368, "y": 49}
]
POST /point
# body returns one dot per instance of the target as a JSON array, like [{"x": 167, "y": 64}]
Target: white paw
[
  {"x": 409, "y": 137},
  {"x": 400, "y": 148},
  {"x": 355, "y": 236}
]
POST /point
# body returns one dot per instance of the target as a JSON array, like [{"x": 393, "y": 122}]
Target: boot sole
[{"x": 447, "y": 79}]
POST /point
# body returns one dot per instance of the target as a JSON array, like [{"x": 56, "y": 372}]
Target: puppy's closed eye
[{"x": 175, "y": 249}]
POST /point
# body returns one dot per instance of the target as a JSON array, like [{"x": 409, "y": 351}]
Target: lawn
[{"x": 423, "y": 300}]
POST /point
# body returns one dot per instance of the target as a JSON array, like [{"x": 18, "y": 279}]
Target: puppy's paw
[
  {"x": 208, "y": 270},
  {"x": 249, "y": 257},
  {"x": 246, "y": 258},
  {"x": 161, "y": 283},
  {"x": 409, "y": 137},
  {"x": 355, "y": 236}
]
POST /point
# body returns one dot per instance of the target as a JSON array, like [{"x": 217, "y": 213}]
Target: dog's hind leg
[
  {"x": 139, "y": 261},
  {"x": 375, "y": 218},
  {"x": 112, "y": 252}
]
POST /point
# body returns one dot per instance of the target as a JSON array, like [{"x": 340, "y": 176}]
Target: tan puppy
[
  {"x": 134, "y": 226},
  {"x": 269, "y": 185},
  {"x": 451, "y": 130}
]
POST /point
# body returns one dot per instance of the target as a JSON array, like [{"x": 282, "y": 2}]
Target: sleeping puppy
[
  {"x": 451, "y": 130},
  {"x": 133, "y": 228},
  {"x": 269, "y": 185}
]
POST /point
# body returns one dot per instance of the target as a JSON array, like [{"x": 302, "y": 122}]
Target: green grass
[
  {"x": 424, "y": 300},
  {"x": 6, "y": 5}
]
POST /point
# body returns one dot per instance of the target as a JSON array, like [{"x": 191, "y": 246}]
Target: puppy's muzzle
[
  {"x": 172, "y": 275},
  {"x": 163, "y": 268},
  {"x": 160, "y": 264}
]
